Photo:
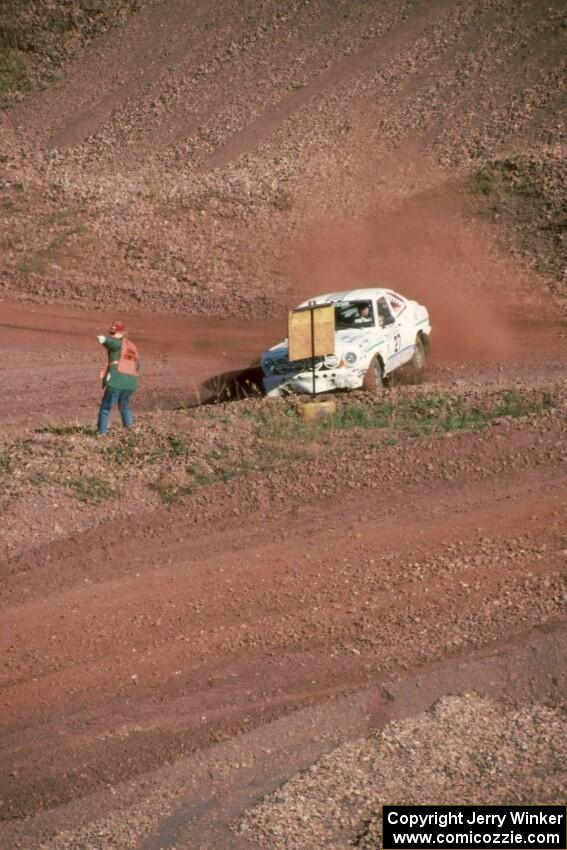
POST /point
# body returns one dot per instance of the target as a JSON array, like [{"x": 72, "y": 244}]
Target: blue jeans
[{"x": 109, "y": 399}]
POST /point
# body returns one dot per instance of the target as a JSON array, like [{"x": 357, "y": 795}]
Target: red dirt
[
  {"x": 181, "y": 628},
  {"x": 53, "y": 351},
  {"x": 56, "y": 360},
  {"x": 223, "y": 165},
  {"x": 171, "y": 164},
  {"x": 182, "y": 631}
]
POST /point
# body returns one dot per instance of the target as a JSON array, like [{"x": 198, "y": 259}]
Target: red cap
[{"x": 117, "y": 328}]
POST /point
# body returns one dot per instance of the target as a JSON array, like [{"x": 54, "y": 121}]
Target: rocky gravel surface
[
  {"x": 61, "y": 479},
  {"x": 251, "y": 598},
  {"x": 226, "y": 138},
  {"x": 466, "y": 750},
  {"x": 194, "y": 611},
  {"x": 38, "y": 37}
]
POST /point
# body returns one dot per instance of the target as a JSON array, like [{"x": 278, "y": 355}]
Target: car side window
[{"x": 385, "y": 316}]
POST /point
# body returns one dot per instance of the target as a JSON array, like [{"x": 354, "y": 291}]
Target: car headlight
[
  {"x": 331, "y": 361},
  {"x": 350, "y": 358}
]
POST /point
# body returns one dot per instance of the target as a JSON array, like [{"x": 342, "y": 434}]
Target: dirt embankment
[
  {"x": 194, "y": 611},
  {"x": 249, "y": 593},
  {"x": 158, "y": 635},
  {"x": 175, "y": 162}
]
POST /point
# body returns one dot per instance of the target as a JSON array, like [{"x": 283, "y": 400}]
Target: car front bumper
[{"x": 325, "y": 381}]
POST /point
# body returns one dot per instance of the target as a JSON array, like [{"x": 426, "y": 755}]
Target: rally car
[{"x": 376, "y": 332}]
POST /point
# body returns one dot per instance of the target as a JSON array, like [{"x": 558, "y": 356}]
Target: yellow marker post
[{"x": 311, "y": 333}]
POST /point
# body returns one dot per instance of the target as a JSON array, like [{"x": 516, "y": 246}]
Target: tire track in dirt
[
  {"x": 55, "y": 360},
  {"x": 266, "y": 624},
  {"x": 364, "y": 60},
  {"x": 192, "y": 802}
]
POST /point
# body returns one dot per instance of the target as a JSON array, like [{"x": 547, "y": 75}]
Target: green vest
[{"x": 113, "y": 379}]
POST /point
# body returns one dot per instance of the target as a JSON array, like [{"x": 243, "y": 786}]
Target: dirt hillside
[
  {"x": 229, "y": 628},
  {"x": 183, "y": 153}
]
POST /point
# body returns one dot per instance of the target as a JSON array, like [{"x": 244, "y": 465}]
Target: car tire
[
  {"x": 415, "y": 367},
  {"x": 417, "y": 362},
  {"x": 373, "y": 379}
]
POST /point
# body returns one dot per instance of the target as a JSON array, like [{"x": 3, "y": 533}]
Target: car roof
[{"x": 347, "y": 295}]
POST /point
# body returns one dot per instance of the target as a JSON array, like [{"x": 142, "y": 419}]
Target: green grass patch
[
  {"x": 131, "y": 450},
  {"x": 202, "y": 479},
  {"x": 124, "y": 452},
  {"x": 515, "y": 404},
  {"x": 272, "y": 436},
  {"x": 405, "y": 417},
  {"x": 177, "y": 445},
  {"x": 13, "y": 73},
  {"x": 171, "y": 493},
  {"x": 91, "y": 488},
  {"x": 438, "y": 414},
  {"x": 67, "y": 430},
  {"x": 283, "y": 437},
  {"x": 527, "y": 194},
  {"x": 36, "y": 37}
]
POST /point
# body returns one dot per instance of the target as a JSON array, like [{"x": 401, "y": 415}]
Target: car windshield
[{"x": 353, "y": 314}]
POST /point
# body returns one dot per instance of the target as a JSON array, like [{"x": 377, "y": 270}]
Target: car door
[
  {"x": 403, "y": 335},
  {"x": 387, "y": 332}
]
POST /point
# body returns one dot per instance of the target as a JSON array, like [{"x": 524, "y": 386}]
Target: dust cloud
[{"x": 407, "y": 226}]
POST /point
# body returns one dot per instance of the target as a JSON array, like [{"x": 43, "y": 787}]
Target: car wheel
[
  {"x": 374, "y": 380},
  {"x": 417, "y": 362},
  {"x": 415, "y": 367}
]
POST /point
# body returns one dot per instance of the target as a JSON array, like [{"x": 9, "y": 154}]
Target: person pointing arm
[{"x": 120, "y": 377}]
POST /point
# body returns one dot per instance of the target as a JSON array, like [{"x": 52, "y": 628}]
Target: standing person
[{"x": 119, "y": 379}]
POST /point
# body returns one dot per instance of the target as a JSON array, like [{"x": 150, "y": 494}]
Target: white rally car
[{"x": 376, "y": 332}]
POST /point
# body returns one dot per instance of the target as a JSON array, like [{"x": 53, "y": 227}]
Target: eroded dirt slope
[
  {"x": 252, "y": 600},
  {"x": 193, "y": 612},
  {"x": 182, "y": 155}
]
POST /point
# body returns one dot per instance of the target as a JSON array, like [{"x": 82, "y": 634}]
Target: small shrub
[
  {"x": 155, "y": 455},
  {"x": 124, "y": 452},
  {"x": 177, "y": 445},
  {"x": 13, "y": 73},
  {"x": 90, "y": 488}
]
